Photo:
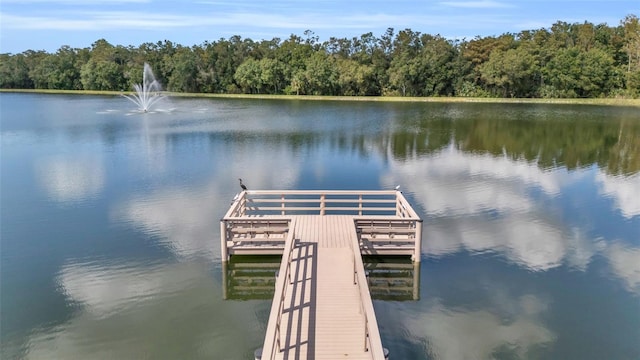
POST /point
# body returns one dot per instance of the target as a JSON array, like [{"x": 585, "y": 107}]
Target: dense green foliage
[{"x": 567, "y": 60}]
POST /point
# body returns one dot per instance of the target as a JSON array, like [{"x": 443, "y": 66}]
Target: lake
[{"x": 110, "y": 243}]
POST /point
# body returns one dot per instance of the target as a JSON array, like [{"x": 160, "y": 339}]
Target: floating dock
[{"x": 322, "y": 307}]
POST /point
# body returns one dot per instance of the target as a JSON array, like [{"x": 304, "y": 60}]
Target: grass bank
[{"x": 598, "y": 101}]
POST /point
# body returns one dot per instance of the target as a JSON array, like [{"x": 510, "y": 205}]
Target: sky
[{"x": 50, "y": 24}]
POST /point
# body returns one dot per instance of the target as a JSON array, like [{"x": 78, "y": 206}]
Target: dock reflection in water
[
  {"x": 393, "y": 278},
  {"x": 246, "y": 277}
]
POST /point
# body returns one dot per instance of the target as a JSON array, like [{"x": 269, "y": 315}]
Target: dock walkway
[{"x": 322, "y": 308}]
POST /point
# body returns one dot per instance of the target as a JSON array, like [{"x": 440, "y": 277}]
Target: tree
[
  {"x": 248, "y": 76},
  {"x": 576, "y": 60},
  {"x": 14, "y": 72},
  {"x": 435, "y": 66},
  {"x": 631, "y": 26},
  {"x": 59, "y": 71},
  {"x": 511, "y": 72},
  {"x": 573, "y": 73},
  {"x": 478, "y": 51},
  {"x": 320, "y": 75},
  {"x": 102, "y": 75},
  {"x": 355, "y": 78},
  {"x": 272, "y": 74},
  {"x": 184, "y": 70},
  {"x": 294, "y": 53},
  {"x": 403, "y": 69}
]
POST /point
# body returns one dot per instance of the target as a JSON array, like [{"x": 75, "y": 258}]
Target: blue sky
[{"x": 49, "y": 24}]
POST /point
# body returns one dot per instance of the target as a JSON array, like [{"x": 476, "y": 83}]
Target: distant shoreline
[{"x": 569, "y": 101}]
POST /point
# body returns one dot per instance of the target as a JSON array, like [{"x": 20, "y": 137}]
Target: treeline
[{"x": 567, "y": 60}]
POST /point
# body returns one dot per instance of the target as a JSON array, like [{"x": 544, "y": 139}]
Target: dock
[{"x": 322, "y": 306}]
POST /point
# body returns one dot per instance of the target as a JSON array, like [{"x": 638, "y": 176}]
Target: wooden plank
[
  {"x": 272, "y": 333},
  {"x": 322, "y": 317},
  {"x": 339, "y": 328}
]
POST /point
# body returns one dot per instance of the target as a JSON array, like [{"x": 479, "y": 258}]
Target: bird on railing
[{"x": 242, "y": 185}]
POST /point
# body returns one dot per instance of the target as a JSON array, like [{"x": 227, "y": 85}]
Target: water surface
[{"x": 110, "y": 233}]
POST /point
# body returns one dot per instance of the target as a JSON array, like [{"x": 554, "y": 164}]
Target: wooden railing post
[
  {"x": 416, "y": 280},
  {"x": 418, "y": 242},
  {"x": 223, "y": 241},
  {"x": 322, "y": 198},
  {"x": 225, "y": 280},
  {"x": 283, "y": 212}
]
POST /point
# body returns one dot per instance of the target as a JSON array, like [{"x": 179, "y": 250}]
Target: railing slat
[
  {"x": 322, "y": 202},
  {"x": 372, "y": 340},
  {"x": 272, "y": 335}
]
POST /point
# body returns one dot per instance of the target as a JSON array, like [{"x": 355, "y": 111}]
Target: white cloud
[
  {"x": 128, "y": 311},
  {"x": 624, "y": 190},
  {"x": 625, "y": 263},
  {"x": 485, "y": 203},
  {"x": 581, "y": 249},
  {"x": 268, "y": 19},
  {"x": 534, "y": 245},
  {"x": 76, "y": 2},
  {"x": 106, "y": 290},
  {"x": 483, "y": 332},
  {"x": 457, "y": 183},
  {"x": 537, "y": 245},
  {"x": 186, "y": 220},
  {"x": 71, "y": 178},
  {"x": 482, "y": 4},
  {"x": 106, "y": 20}
]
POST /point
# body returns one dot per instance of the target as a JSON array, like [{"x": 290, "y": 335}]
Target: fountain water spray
[{"x": 147, "y": 93}]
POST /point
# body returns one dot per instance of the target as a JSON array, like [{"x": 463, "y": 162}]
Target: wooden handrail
[
  {"x": 372, "y": 340},
  {"x": 272, "y": 343},
  {"x": 321, "y": 192},
  {"x": 318, "y": 200},
  {"x": 238, "y": 202},
  {"x": 321, "y": 202}
]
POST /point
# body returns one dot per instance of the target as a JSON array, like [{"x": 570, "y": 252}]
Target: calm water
[{"x": 110, "y": 232}]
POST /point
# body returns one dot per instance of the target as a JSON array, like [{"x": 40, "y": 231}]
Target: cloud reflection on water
[
  {"x": 479, "y": 334},
  {"x": 625, "y": 263},
  {"x": 486, "y": 203},
  {"x": 185, "y": 218},
  {"x": 134, "y": 311},
  {"x": 105, "y": 290},
  {"x": 534, "y": 245},
  {"x": 71, "y": 178},
  {"x": 625, "y": 192}
]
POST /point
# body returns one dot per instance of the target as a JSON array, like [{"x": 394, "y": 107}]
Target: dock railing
[
  {"x": 272, "y": 343},
  {"x": 372, "y": 341},
  {"x": 320, "y": 202},
  {"x": 382, "y": 216}
]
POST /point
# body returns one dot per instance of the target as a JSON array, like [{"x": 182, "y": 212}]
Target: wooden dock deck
[{"x": 322, "y": 308}]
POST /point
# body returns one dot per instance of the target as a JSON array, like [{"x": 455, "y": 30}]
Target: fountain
[{"x": 147, "y": 93}]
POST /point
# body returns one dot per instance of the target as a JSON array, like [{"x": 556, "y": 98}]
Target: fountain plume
[{"x": 147, "y": 93}]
